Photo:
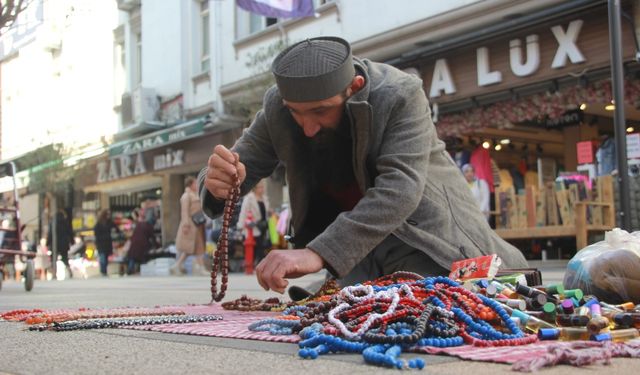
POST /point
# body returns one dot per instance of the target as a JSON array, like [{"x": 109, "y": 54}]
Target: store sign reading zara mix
[
  {"x": 130, "y": 165},
  {"x": 442, "y": 80},
  {"x": 126, "y": 158}
]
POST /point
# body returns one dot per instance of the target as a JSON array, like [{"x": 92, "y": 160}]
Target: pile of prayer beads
[
  {"x": 395, "y": 314},
  {"x": 245, "y": 303}
]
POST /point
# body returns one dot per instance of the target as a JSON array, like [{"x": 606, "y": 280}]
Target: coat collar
[{"x": 363, "y": 94}]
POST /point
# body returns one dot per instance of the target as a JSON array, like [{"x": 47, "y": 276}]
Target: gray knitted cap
[{"x": 314, "y": 69}]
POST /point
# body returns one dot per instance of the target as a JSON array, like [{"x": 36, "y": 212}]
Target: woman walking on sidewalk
[{"x": 190, "y": 237}]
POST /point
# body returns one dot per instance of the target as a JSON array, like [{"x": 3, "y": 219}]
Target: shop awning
[
  {"x": 506, "y": 27},
  {"x": 125, "y": 185},
  {"x": 161, "y": 138}
]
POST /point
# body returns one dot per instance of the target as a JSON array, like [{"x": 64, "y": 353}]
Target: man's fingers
[
  {"x": 260, "y": 274},
  {"x": 225, "y": 153},
  {"x": 218, "y": 185},
  {"x": 269, "y": 264},
  {"x": 278, "y": 282},
  {"x": 219, "y": 167},
  {"x": 275, "y": 268},
  {"x": 221, "y": 172},
  {"x": 242, "y": 172},
  {"x": 218, "y": 189}
]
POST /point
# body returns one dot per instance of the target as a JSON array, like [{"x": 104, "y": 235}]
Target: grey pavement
[{"x": 114, "y": 351}]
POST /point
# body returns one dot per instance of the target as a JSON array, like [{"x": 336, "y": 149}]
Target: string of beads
[
  {"x": 37, "y": 316},
  {"x": 221, "y": 256},
  {"x": 245, "y": 303},
  {"x": 121, "y": 322}
]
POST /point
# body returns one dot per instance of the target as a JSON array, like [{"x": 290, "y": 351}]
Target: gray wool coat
[{"x": 411, "y": 187}]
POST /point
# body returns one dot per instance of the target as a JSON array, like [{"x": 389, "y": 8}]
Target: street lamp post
[{"x": 617, "y": 81}]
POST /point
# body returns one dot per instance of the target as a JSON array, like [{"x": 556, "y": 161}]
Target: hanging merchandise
[
  {"x": 535, "y": 107},
  {"x": 606, "y": 156}
]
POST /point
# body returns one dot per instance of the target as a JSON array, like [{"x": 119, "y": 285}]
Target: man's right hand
[
  {"x": 280, "y": 265},
  {"x": 221, "y": 172}
]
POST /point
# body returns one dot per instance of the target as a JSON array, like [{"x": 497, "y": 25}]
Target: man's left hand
[{"x": 279, "y": 265}]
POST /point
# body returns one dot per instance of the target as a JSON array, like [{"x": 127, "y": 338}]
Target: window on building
[
  {"x": 120, "y": 75},
  {"x": 248, "y": 23},
  {"x": 204, "y": 36},
  {"x": 138, "y": 59}
]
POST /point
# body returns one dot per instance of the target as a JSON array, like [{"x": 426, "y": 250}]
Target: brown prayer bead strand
[{"x": 221, "y": 257}]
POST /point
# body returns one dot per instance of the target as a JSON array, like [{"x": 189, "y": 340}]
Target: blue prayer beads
[{"x": 275, "y": 326}]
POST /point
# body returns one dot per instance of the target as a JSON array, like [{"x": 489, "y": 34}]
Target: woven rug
[
  {"x": 510, "y": 354},
  {"x": 233, "y": 325},
  {"x": 500, "y": 354}
]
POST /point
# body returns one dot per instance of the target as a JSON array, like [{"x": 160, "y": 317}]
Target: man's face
[
  {"x": 469, "y": 174},
  {"x": 318, "y": 117}
]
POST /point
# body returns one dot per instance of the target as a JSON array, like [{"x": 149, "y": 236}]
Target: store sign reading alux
[{"x": 523, "y": 60}]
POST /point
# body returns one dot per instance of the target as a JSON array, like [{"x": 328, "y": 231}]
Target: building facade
[
  {"x": 55, "y": 83},
  {"x": 187, "y": 75}
]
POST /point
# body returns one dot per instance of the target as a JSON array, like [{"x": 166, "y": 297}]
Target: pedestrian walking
[
  {"x": 190, "y": 236},
  {"x": 103, "y": 231}
]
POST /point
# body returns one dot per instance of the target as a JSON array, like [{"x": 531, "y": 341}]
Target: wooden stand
[{"x": 600, "y": 209}]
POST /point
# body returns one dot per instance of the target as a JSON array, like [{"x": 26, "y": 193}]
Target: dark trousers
[
  {"x": 104, "y": 262},
  {"x": 389, "y": 256},
  {"x": 132, "y": 266}
]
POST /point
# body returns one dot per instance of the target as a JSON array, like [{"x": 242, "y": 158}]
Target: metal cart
[{"x": 11, "y": 243}]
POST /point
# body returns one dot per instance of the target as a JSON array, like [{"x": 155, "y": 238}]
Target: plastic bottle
[
  {"x": 597, "y": 322},
  {"x": 532, "y": 323},
  {"x": 564, "y": 334},
  {"x": 572, "y": 320}
]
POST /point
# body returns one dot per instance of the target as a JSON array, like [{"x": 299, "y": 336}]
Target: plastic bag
[{"x": 609, "y": 269}]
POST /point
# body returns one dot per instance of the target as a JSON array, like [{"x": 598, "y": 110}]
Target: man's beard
[
  {"x": 325, "y": 139},
  {"x": 331, "y": 151}
]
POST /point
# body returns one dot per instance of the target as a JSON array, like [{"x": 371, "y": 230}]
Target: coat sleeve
[
  {"x": 185, "y": 216},
  {"x": 401, "y": 170}
]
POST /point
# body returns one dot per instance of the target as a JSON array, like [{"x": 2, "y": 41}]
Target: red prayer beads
[
  {"x": 221, "y": 256},
  {"x": 19, "y": 315}
]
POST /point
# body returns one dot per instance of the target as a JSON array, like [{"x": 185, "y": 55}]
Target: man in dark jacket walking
[
  {"x": 64, "y": 238},
  {"x": 372, "y": 188},
  {"x": 103, "y": 231}
]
